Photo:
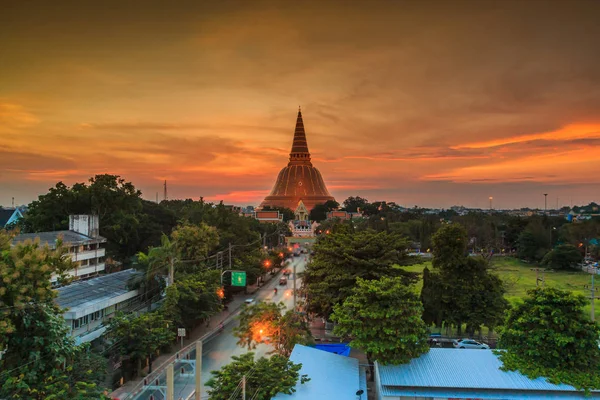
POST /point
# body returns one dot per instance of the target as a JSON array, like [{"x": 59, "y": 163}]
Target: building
[
  {"x": 92, "y": 303},
  {"x": 86, "y": 246},
  {"x": 299, "y": 180},
  {"x": 9, "y": 216},
  {"x": 268, "y": 216},
  {"x": 444, "y": 374},
  {"x": 332, "y": 376}
]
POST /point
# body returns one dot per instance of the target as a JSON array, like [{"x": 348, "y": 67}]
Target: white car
[
  {"x": 469, "y": 344},
  {"x": 249, "y": 301}
]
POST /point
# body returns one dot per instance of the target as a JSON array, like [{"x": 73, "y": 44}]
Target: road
[{"x": 218, "y": 351}]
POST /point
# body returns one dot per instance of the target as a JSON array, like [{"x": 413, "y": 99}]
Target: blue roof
[
  {"x": 335, "y": 348},
  {"x": 475, "y": 372},
  {"x": 331, "y": 376}
]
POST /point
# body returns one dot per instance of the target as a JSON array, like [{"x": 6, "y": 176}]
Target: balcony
[{"x": 88, "y": 254}]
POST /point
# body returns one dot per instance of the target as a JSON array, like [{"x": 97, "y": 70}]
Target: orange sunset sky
[{"x": 429, "y": 103}]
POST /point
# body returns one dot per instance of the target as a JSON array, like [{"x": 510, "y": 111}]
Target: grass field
[{"x": 519, "y": 278}]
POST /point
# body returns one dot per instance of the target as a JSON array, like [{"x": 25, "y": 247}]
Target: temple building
[{"x": 299, "y": 180}]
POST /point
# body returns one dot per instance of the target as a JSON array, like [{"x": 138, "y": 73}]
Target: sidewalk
[{"x": 191, "y": 337}]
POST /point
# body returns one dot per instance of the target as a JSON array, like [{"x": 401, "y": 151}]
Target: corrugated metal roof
[
  {"x": 460, "y": 369},
  {"x": 50, "y": 238},
  {"x": 86, "y": 293},
  {"x": 488, "y": 394},
  {"x": 332, "y": 376}
]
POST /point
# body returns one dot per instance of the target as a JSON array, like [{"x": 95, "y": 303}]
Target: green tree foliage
[
  {"x": 267, "y": 323},
  {"x": 352, "y": 204},
  {"x": 535, "y": 241},
  {"x": 383, "y": 318},
  {"x": 563, "y": 256},
  {"x": 265, "y": 377},
  {"x": 41, "y": 359},
  {"x": 341, "y": 258},
  {"x": 125, "y": 220},
  {"x": 193, "y": 298},
  {"x": 548, "y": 335},
  {"x": 195, "y": 242},
  {"x": 319, "y": 212},
  {"x": 143, "y": 336},
  {"x": 460, "y": 290}
]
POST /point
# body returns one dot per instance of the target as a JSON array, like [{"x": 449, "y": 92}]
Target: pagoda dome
[{"x": 299, "y": 180}]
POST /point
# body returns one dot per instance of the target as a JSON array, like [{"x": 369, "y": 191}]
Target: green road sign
[{"x": 238, "y": 278}]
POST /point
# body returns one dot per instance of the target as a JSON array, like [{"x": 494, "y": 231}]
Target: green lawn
[{"x": 519, "y": 277}]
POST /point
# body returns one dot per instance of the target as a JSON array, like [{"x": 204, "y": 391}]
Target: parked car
[
  {"x": 287, "y": 272},
  {"x": 249, "y": 301},
  {"x": 469, "y": 344},
  {"x": 282, "y": 281}
]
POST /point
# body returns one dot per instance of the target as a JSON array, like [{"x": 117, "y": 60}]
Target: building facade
[
  {"x": 91, "y": 304},
  {"x": 86, "y": 246}
]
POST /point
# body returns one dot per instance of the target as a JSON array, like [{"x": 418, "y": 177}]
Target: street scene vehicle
[
  {"x": 287, "y": 272},
  {"x": 249, "y": 301},
  {"x": 469, "y": 344},
  {"x": 283, "y": 281}
]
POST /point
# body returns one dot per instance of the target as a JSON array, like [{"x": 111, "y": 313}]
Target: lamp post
[
  {"x": 491, "y": 198},
  {"x": 545, "y": 203}
]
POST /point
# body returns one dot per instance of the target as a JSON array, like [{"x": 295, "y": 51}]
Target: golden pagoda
[{"x": 299, "y": 180}]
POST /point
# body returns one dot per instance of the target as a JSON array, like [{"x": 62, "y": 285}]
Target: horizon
[{"x": 429, "y": 104}]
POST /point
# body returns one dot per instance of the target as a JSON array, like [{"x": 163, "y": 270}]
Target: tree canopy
[
  {"x": 460, "y": 289},
  {"x": 268, "y": 323},
  {"x": 341, "y": 258},
  {"x": 41, "y": 359},
  {"x": 265, "y": 377},
  {"x": 563, "y": 256},
  {"x": 549, "y": 335},
  {"x": 383, "y": 318},
  {"x": 141, "y": 337}
]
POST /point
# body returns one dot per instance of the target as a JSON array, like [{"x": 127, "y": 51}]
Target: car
[
  {"x": 469, "y": 344},
  {"x": 249, "y": 301},
  {"x": 282, "y": 281},
  {"x": 287, "y": 272}
]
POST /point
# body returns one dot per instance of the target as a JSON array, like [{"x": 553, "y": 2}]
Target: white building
[
  {"x": 86, "y": 246},
  {"x": 92, "y": 303}
]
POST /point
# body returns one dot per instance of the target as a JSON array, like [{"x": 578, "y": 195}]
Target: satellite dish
[{"x": 359, "y": 392}]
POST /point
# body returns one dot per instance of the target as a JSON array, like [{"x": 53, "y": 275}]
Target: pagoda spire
[{"x": 300, "y": 146}]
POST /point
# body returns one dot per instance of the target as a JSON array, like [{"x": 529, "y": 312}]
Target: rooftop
[
  {"x": 474, "y": 373},
  {"x": 331, "y": 376},
  {"x": 86, "y": 294},
  {"x": 50, "y": 238}
]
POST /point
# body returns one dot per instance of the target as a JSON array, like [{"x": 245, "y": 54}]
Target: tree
[
  {"x": 265, "y": 377},
  {"x": 352, "y": 204},
  {"x": 534, "y": 241},
  {"x": 141, "y": 337},
  {"x": 266, "y": 323},
  {"x": 193, "y": 298},
  {"x": 341, "y": 258},
  {"x": 118, "y": 205},
  {"x": 195, "y": 242},
  {"x": 319, "y": 212},
  {"x": 383, "y": 319},
  {"x": 41, "y": 359},
  {"x": 548, "y": 335},
  {"x": 460, "y": 289},
  {"x": 563, "y": 256}
]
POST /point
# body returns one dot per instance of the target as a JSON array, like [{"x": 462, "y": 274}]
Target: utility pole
[
  {"x": 243, "y": 387},
  {"x": 537, "y": 276},
  {"x": 165, "y": 191},
  {"x": 156, "y": 197},
  {"x": 170, "y": 382},
  {"x": 198, "y": 370},
  {"x": 13, "y": 202},
  {"x": 172, "y": 272},
  {"x": 545, "y": 203},
  {"x": 229, "y": 255},
  {"x": 491, "y": 198},
  {"x": 294, "y": 287}
]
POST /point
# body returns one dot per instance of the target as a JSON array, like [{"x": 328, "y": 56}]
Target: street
[{"x": 218, "y": 351}]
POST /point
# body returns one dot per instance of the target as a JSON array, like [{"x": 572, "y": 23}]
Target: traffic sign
[
  {"x": 181, "y": 332},
  {"x": 238, "y": 278}
]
